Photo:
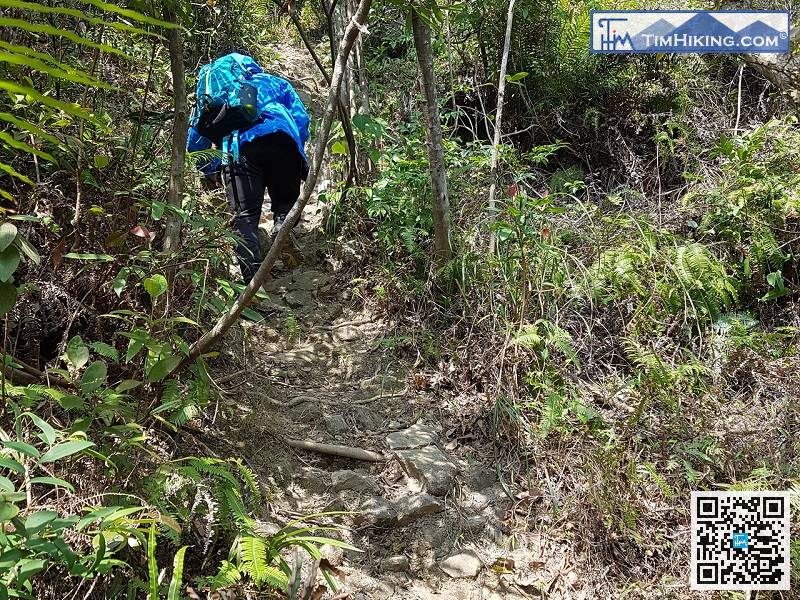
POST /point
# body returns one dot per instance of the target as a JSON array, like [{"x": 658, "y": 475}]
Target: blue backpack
[{"x": 226, "y": 102}]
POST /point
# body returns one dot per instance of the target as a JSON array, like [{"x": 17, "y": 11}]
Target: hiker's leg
[
  {"x": 283, "y": 173},
  {"x": 245, "y": 191}
]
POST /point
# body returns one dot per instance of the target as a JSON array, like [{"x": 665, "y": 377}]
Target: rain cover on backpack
[{"x": 226, "y": 102}]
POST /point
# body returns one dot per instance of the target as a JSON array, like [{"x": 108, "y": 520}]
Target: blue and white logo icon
[
  {"x": 683, "y": 31},
  {"x": 740, "y": 541}
]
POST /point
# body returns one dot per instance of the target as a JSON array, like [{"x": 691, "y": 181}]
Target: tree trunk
[
  {"x": 498, "y": 126},
  {"x": 441, "y": 204},
  {"x": 180, "y": 129},
  {"x": 231, "y": 316}
]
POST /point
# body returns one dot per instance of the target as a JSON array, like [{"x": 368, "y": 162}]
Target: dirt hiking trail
[{"x": 431, "y": 517}]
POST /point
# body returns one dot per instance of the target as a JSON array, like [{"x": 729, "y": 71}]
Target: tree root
[{"x": 335, "y": 450}]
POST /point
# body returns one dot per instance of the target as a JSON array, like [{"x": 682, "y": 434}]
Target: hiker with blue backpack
[{"x": 260, "y": 125}]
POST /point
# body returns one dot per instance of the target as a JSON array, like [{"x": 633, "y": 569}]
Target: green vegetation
[{"x": 635, "y": 330}]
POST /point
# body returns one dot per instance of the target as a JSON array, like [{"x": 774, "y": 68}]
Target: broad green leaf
[
  {"x": 157, "y": 210},
  {"x": 120, "y": 281},
  {"x": 11, "y": 465},
  {"x": 11, "y": 170},
  {"x": 64, "y": 33},
  {"x": 6, "y": 485},
  {"x": 54, "y": 481},
  {"x": 127, "y": 385},
  {"x": 47, "y": 430},
  {"x": 8, "y": 231},
  {"x": 339, "y": 148},
  {"x": 8, "y": 297},
  {"x": 38, "y": 520},
  {"x": 94, "y": 377},
  {"x": 77, "y": 352},
  {"x": 28, "y": 249},
  {"x": 69, "y": 402},
  {"x": 7, "y": 512},
  {"x": 34, "y": 129},
  {"x": 131, "y": 14},
  {"x": 101, "y": 161},
  {"x": 22, "y": 448},
  {"x": 70, "y": 109},
  {"x": 101, "y": 550},
  {"x": 24, "y": 146},
  {"x": 58, "y": 10},
  {"x": 162, "y": 368},
  {"x": 155, "y": 285},
  {"x": 28, "y": 567},
  {"x": 9, "y": 261},
  {"x": 65, "y": 449},
  {"x": 90, "y": 256},
  {"x": 134, "y": 346},
  {"x": 152, "y": 565},
  {"x": 177, "y": 575},
  {"x": 516, "y": 77},
  {"x": 251, "y": 315}
]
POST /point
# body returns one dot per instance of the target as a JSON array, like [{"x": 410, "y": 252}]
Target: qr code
[{"x": 740, "y": 540}]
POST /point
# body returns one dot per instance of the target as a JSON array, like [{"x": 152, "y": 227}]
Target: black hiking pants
[{"x": 272, "y": 163}]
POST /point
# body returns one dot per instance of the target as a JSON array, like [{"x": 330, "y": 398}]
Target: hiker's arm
[
  {"x": 196, "y": 143},
  {"x": 298, "y": 111}
]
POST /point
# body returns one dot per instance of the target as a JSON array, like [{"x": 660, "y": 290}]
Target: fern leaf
[
  {"x": 228, "y": 575},
  {"x": 253, "y": 558},
  {"x": 106, "y": 351}
]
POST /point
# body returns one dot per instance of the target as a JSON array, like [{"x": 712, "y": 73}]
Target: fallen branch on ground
[{"x": 333, "y": 450}]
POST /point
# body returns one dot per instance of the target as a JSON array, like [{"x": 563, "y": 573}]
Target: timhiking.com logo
[{"x": 684, "y": 31}]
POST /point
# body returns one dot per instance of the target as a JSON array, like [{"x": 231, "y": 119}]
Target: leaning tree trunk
[
  {"x": 433, "y": 130},
  {"x": 232, "y": 315},
  {"x": 180, "y": 131},
  {"x": 498, "y": 124}
]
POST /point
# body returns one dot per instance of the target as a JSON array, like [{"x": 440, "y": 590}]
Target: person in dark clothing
[{"x": 271, "y": 157}]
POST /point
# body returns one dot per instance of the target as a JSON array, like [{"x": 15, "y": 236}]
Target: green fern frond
[{"x": 227, "y": 576}]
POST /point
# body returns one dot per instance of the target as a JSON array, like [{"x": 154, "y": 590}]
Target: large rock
[
  {"x": 480, "y": 477},
  {"x": 464, "y": 565},
  {"x": 376, "y": 511},
  {"x": 280, "y": 285},
  {"x": 395, "y": 564},
  {"x": 414, "y": 507},
  {"x": 310, "y": 280},
  {"x": 299, "y": 299},
  {"x": 416, "y": 436},
  {"x": 430, "y": 467},
  {"x": 353, "y": 481},
  {"x": 335, "y": 424}
]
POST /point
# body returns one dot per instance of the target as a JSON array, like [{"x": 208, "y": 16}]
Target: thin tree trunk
[
  {"x": 441, "y": 203},
  {"x": 231, "y": 316},
  {"x": 345, "y": 118},
  {"x": 498, "y": 125},
  {"x": 180, "y": 129}
]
